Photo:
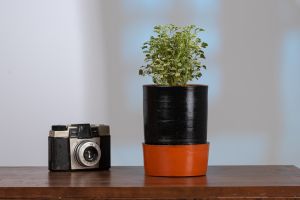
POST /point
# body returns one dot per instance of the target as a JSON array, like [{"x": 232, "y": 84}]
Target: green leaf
[
  {"x": 141, "y": 72},
  {"x": 204, "y": 45}
]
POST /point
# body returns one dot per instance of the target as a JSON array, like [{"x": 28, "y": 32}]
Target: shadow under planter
[{"x": 175, "y": 130}]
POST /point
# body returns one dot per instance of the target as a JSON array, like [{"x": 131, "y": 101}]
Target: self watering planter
[{"x": 175, "y": 130}]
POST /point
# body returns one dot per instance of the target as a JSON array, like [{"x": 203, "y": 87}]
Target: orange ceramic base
[{"x": 175, "y": 160}]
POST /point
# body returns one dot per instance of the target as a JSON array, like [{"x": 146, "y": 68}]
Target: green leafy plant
[{"x": 174, "y": 55}]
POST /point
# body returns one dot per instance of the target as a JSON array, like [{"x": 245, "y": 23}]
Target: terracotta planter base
[{"x": 175, "y": 160}]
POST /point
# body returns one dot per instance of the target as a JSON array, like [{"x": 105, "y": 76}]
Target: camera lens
[{"x": 88, "y": 153}]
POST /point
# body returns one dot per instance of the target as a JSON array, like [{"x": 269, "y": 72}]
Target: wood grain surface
[{"x": 130, "y": 183}]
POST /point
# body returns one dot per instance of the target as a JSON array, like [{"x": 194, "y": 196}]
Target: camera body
[{"x": 79, "y": 147}]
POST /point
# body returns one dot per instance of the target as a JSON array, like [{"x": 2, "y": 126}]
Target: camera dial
[{"x": 88, "y": 153}]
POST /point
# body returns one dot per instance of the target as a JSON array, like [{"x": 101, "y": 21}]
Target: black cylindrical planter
[{"x": 175, "y": 115}]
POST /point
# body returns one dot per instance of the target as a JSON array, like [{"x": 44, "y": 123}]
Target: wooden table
[{"x": 131, "y": 183}]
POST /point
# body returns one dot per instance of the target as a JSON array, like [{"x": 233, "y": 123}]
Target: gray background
[{"x": 76, "y": 61}]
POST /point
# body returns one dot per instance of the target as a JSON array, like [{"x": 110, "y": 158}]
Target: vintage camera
[{"x": 79, "y": 147}]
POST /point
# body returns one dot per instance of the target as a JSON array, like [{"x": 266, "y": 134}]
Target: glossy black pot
[{"x": 175, "y": 115}]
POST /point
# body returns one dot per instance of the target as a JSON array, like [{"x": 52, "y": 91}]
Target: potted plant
[{"x": 175, "y": 112}]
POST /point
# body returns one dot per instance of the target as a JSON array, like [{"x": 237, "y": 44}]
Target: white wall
[
  {"x": 52, "y": 72},
  {"x": 76, "y": 61}
]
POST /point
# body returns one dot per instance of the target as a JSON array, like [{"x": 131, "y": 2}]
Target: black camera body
[{"x": 79, "y": 147}]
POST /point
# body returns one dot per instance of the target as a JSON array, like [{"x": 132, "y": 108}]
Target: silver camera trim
[
  {"x": 102, "y": 130},
  {"x": 79, "y": 153},
  {"x": 74, "y": 142}
]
